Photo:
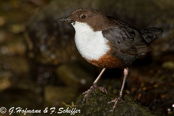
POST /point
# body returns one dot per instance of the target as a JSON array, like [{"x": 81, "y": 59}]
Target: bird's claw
[
  {"x": 115, "y": 101},
  {"x": 93, "y": 89}
]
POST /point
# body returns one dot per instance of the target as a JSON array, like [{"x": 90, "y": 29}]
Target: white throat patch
[{"x": 91, "y": 44}]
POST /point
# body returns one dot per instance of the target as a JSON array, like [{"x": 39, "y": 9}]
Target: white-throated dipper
[{"x": 108, "y": 43}]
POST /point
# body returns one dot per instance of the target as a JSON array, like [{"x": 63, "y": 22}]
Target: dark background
[{"x": 40, "y": 66}]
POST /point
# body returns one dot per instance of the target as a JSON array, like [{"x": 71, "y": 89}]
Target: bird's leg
[
  {"x": 125, "y": 72},
  {"x": 94, "y": 86}
]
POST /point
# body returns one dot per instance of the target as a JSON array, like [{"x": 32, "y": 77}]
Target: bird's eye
[{"x": 83, "y": 16}]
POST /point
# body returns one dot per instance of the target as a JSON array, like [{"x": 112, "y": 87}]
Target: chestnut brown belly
[{"x": 107, "y": 61}]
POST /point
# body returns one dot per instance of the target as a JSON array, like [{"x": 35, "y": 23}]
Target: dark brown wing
[
  {"x": 150, "y": 34},
  {"x": 126, "y": 39}
]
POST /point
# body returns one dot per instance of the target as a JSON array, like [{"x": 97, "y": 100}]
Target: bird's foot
[
  {"x": 115, "y": 101},
  {"x": 93, "y": 89}
]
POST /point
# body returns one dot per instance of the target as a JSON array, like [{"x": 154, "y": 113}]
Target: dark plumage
[{"x": 120, "y": 43}]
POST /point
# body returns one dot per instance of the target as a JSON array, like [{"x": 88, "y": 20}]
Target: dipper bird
[{"x": 108, "y": 43}]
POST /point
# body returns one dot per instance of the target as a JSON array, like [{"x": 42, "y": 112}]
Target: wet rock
[{"x": 97, "y": 105}]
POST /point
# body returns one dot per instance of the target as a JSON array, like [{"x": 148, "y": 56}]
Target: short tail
[{"x": 150, "y": 34}]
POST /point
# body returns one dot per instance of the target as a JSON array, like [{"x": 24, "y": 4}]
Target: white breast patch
[{"x": 91, "y": 44}]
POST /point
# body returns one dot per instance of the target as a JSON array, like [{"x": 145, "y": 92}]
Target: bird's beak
[{"x": 67, "y": 20}]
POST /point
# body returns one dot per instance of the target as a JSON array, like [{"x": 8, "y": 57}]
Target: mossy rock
[{"x": 97, "y": 105}]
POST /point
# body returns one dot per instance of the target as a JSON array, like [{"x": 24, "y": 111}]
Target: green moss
[{"x": 97, "y": 105}]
